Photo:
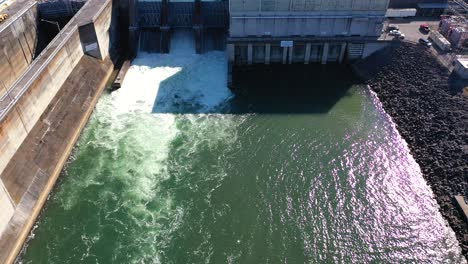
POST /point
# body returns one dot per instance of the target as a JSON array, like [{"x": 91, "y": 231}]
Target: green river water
[{"x": 173, "y": 168}]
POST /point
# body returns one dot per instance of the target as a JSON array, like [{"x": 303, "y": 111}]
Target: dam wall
[
  {"x": 102, "y": 23},
  {"x": 18, "y": 39},
  {"x": 39, "y": 104},
  {"x": 30, "y": 95}
]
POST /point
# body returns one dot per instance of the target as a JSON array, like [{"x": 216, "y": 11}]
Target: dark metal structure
[
  {"x": 154, "y": 22},
  {"x": 53, "y": 9},
  {"x": 413, "y": 3},
  {"x": 183, "y": 14}
]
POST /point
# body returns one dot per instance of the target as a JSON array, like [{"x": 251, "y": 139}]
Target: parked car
[
  {"x": 424, "y": 28},
  {"x": 392, "y": 27},
  {"x": 395, "y": 32},
  {"x": 425, "y": 42}
]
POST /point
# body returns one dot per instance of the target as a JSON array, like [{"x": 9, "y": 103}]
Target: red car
[{"x": 425, "y": 28}]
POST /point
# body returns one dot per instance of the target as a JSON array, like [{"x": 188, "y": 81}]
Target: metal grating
[{"x": 59, "y": 8}]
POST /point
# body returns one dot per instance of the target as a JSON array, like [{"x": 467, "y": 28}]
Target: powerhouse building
[{"x": 303, "y": 31}]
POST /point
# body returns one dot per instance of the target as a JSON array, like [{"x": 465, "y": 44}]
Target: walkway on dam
[
  {"x": 42, "y": 155},
  {"x": 14, "y": 9},
  {"x": 87, "y": 14}
]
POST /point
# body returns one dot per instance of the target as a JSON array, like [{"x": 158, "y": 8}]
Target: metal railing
[
  {"x": 13, "y": 95},
  {"x": 17, "y": 15},
  {"x": 8, "y": 100},
  {"x": 60, "y": 8}
]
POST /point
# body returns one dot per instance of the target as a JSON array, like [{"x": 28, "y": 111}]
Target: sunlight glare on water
[{"x": 166, "y": 173}]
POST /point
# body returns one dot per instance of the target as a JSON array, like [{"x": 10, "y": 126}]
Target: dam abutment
[
  {"x": 43, "y": 112},
  {"x": 18, "y": 38},
  {"x": 46, "y": 100}
]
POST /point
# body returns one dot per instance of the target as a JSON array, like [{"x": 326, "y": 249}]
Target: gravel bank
[{"x": 427, "y": 104}]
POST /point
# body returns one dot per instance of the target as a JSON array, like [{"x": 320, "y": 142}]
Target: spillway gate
[{"x": 151, "y": 24}]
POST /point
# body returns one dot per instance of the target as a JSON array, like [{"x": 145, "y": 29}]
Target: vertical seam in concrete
[
  {"x": 4, "y": 87},
  {"x": 37, "y": 33},
  {"x": 22, "y": 48},
  {"x": 29, "y": 48},
  {"x": 26, "y": 130},
  {"x": 8, "y": 194},
  {"x": 9, "y": 62}
]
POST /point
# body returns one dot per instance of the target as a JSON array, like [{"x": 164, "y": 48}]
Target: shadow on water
[
  {"x": 294, "y": 89},
  {"x": 268, "y": 89}
]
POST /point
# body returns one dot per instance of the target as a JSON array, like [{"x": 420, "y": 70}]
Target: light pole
[
  {"x": 52, "y": 22},
  {"x": 59, "y": 30}
]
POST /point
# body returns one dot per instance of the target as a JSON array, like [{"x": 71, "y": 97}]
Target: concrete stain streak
[{"x": 44, "y": 152}]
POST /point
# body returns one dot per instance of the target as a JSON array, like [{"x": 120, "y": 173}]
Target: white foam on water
[
  {"x": 182, "y": 43},
  {"x": 129, "y": 138},
  {"x": 162, "y": 82}
]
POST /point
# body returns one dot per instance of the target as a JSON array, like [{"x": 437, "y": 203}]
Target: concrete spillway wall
[
  {"x": 18, "y": 38},
  {"x": 32, "y": 92},
  {"x": 22, "y": 106}
]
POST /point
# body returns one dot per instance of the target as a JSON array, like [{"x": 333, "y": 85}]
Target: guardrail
[
  {"x": 17, "y": 15},
  {"x": 13, "y": 95},
  {"x": 8, "y": 100}
]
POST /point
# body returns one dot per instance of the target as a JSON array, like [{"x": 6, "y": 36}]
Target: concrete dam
[{"x": 57, "y": 57}]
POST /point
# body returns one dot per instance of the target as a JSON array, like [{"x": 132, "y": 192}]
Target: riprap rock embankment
[{"x": 430, "y": 110}]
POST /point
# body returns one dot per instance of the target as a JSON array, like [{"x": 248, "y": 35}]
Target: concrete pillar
[
  {"x": 198, "y": 38},
  {"x": 165, "y": 39},
  {"x": 342, "y": 52},
  {"x": 249, "y": 53},
  {"x": 267, "y": 53},
  {"x": 133, "y": 41},
  {"x": 307, "y": 53},
  {"x": 164, "y": 12},
  {"x": 229, "y": 78},
  {"x": 285, "y": 55},
  {"x": 198, "y": 26},
  {"x": 133, "y": 30},
  {"x": 290, "y": 55},
  {"x": 325, "y": 53},
  {"x": 231, "y": 49},
  {"x": 197, "y": 13},
  {"x": 165, "y": 28}
]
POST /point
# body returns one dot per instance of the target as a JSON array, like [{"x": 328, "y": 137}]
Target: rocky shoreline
[{"x": 430, "y": 110}]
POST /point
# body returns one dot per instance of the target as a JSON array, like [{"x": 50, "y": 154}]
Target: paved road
[{"x": 410, "y": 27}]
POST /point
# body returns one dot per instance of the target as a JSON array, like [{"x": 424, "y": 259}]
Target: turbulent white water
[
  {"x": 159, "y": 177},
  {"x": 166, "y": 83},
  {"x": 136, "y": 126}
]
